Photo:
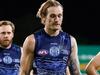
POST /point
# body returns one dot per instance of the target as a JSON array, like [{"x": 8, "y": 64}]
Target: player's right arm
[
  {"x": 27, "y": 56},
  {"x": 93, "y": 65}
]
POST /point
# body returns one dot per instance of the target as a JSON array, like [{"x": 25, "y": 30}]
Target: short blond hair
[{"x": 6, "y": 22}]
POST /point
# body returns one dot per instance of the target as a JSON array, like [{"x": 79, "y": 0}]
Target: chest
[
  {"x": 53, "y": 47},
  {"x": 9, "y": 58}
]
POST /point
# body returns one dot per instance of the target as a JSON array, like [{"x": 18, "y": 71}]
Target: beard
[
  {"x": 55, "y": 28},
  {"x": 6, "y": 43}
]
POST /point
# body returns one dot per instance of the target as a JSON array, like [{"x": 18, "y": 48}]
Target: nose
[
  {"x": 6, "y": 35},
  {"x": 56, "y": 18}
]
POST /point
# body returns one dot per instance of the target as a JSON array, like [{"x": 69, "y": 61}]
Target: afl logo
[
  {"x": 7, "y": 60},
  {"x": 43, "y": 52},
  {"x": 54, "y": 51}
]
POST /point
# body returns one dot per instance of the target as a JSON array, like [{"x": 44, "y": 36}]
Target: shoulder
[
  {"x": 73, "y": 41},
  {"x": 16, "y": 46},
  {"x": 29, "y": 42},
  {"x": 30, "y": 38}
]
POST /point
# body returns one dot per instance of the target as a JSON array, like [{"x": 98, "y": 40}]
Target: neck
[
  {"x": 52, "y": 32},
  {"x": 5, "y": 47}
]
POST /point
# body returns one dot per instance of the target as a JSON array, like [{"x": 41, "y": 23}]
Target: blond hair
[
  {"x": 42, "y": 12},
  {"x": 6, "y": 22}
]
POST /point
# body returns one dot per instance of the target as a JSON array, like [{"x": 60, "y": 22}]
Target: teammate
[
  {"x": 50, "y": 48},
  {"x": 9, "y": 53}
]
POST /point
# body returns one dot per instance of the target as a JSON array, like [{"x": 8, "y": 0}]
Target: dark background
[{"x": 81, "y": 18}]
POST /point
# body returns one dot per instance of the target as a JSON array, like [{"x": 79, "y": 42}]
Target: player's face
[
  {"x": 54, "y": 18},
  {"x": 6, "y": 35}
]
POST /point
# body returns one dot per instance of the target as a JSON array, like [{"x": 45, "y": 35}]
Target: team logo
[
  {"x": 54, "y": 51},
  {"x": 7, "y": 60},
  {"x": 43, "y": 52}
]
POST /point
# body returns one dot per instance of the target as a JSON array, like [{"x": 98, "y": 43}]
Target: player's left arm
[{"x": 74, "y": 65}]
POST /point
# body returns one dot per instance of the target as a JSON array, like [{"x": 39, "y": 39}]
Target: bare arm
[
  {"x": 27, "y": 56},
  {"x": 67, "y": 71},
  {"x": 93, "y": 65},
  {"x": 74, "y": 65}
]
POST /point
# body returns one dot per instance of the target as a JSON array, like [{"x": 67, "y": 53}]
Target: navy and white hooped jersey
[
  {"x": 52, "y": 53},
  {"x": 10, "y": 60}
]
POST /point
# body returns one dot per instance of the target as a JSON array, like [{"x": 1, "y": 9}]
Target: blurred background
[{"x": 81, "y": 19}]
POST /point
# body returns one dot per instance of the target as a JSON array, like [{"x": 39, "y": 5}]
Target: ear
[
  {"x": 12, "y": 35},
  {"x": 43, "y": 21}
]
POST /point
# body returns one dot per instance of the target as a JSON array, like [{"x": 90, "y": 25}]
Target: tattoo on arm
[{"x": 74, "y": 67}]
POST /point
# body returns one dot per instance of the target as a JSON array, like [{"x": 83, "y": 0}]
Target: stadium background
[{"x": 80, "y": 20}]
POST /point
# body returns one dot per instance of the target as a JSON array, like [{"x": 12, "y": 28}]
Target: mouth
[
  {"x": 56, "y": 24},
  {"x": 6, "y": 40}
]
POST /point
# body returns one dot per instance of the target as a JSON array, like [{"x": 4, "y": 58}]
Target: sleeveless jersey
[
  {"x": 52, "y": 53},
  {"x": 9, "y": 60}
]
